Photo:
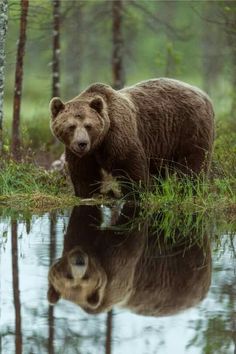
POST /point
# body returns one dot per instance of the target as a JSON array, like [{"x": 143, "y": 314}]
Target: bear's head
[
  {"x": 80, "y": 124},
  {"x": 78, "y": 278}
]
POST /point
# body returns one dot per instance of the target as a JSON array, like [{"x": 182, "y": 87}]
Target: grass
[
  {"x": 201, "y": 196},
  {"x": 27, "y": 185},
  {"x": 218, "y": 193}
]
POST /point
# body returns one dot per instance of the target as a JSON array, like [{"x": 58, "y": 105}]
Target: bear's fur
[
  {"x": 129, "y": 266},
  {"x": 139, "y": 131}
]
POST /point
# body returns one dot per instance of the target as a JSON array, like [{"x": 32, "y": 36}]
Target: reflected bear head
[
  {"x": 77, "y": 278},
  {"x": 128, "y": 266},
  {"x": 97, "y": 265}
]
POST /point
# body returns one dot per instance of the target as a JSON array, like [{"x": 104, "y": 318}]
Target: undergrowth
[
  {"x": 28, "y": 185},
  {"x": 187, "y": 195}
]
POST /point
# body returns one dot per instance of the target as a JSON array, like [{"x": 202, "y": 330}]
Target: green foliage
[
  {"x": 170, "y": 60},
  {"x": 224, "y": 161},
  {"x": 159, "y": 39},
  {"x": 187, "y": 195}
]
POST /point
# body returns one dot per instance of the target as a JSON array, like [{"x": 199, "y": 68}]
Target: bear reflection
[{"x": 127, "y": 264}]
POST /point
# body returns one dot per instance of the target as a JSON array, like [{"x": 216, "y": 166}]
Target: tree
[
  {"x": 3, "y": 31},
  {"x": 16, "y": 152},
  {"x": 212, "y": 41},
  {"x": 118, "y": 45},
  {"x": 56, "y": 49},
  {"x": 223, "y": 16},
  {"x": 74, "y": 54},
  {"x": 229, "y": 17},
  {"x": 52, "y": 251}
]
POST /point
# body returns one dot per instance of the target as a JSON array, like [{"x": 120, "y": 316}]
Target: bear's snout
[
  {"x": 82, "y": 145},
  {"x": 79, "y": 263}
]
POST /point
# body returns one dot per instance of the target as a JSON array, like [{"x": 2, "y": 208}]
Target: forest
[
  {"x": 175, "y": 238},
  {"x": 58, "y": 48}
]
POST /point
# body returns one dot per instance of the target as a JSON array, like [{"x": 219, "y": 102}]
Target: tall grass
[
  {"x": 28, "y": 186},
  {"x": 186, "y": 194},
  {"x": 27, "y": 178}
]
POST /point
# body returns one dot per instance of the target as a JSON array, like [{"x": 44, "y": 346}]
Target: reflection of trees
[
  {"x": 68, "y": 334},
  {"x": 214, "y": 339},
  {"x": 16, "y": 290},
  {"x": 60, "y": 331},
  {"x": 52, "y": 251},
  {"x": 108, "y": 343},
  {"x": 216, "y": 334}
]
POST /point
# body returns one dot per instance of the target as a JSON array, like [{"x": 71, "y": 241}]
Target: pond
[{"x": 121, "y": 280}]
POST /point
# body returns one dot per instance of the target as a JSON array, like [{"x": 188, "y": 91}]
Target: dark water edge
[{"x": 187, "y": 262}]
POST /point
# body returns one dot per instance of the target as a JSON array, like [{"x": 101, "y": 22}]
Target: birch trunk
[{"x": 3, "y": 32}]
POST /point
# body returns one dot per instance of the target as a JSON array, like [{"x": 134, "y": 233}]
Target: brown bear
[
  {"x": 155, "y": 126},
  {"x": 130, "y": 264}
]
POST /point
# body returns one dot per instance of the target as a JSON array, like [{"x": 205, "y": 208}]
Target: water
[{"x": 167, "y": 284}]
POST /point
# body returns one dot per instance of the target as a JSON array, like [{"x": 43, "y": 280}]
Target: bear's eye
[
  {"x": 71, "y": 127},
  {"x": 88, "y": 126}
]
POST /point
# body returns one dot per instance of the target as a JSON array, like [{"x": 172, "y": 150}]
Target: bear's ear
[
  {"x": 56, "y": 105},
  {"x": 53, "y": 295},
  {"x": 97, "y": 104}
]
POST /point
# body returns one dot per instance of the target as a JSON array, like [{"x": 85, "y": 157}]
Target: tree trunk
[
  {"x": 56, "y": 49},
  {"x": 229, "y": 16},
  {"x": 232, "y": 45},
  {"x": 169, "y": 15},
  {"x": 74, "y": 53},
  {"x": 212, "y": 44},
  {"x": 16, "y": 152},
  {"x": 16, "y": 288},
  {"x": 118, "y": 45},
  {"x": 108, "y": 344},
  {"x": 3, "y": 31}
]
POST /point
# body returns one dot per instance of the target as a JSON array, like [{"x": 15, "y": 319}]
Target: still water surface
[{"x": 150, "y": 285}]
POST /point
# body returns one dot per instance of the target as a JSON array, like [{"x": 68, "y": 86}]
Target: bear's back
[
  {"x": 169, "y": 112},
  {"x": 164, "y": 87}
]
